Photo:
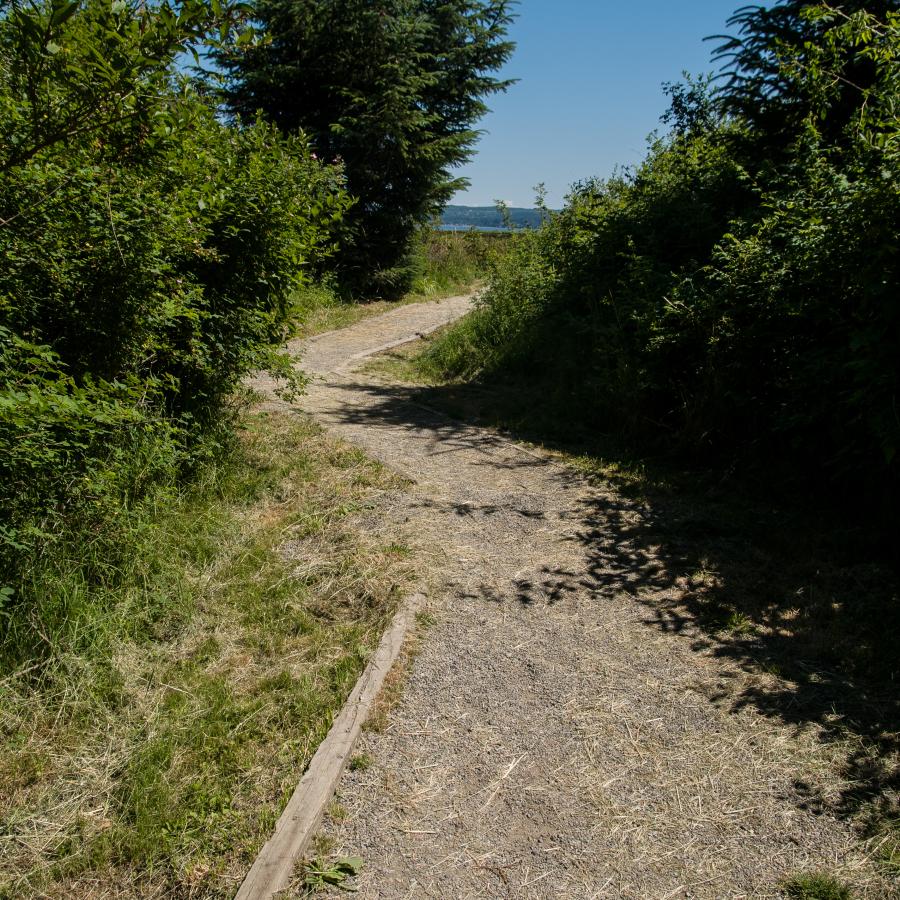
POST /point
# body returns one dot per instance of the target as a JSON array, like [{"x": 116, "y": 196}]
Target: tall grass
[
  {"x": 501, "y": 329},
  {"x": 186, "y": 674},
  {"x": 445, "y": 261}
]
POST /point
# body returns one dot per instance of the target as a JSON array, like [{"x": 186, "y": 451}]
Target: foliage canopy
[
  {"x": 393, "y": 90},
  {"x": 796, "y": 61},
  {"x": 150, "y": 256}
]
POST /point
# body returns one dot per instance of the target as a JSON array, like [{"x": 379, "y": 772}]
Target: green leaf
[
  {"x": 63, "y": 13},
  {"x": 350, "y": 864}
]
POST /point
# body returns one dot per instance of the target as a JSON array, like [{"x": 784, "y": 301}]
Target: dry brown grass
[{"x": 395, "y": 681}]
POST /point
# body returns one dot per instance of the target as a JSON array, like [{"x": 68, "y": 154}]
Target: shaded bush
[
  {"x": 698, "y": 305},
  {"x": 787, "y": 341}
]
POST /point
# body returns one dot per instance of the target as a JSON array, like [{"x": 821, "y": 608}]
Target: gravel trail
[{"x": 553, "y": 740}]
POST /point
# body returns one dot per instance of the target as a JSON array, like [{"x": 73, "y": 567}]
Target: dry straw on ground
[{"x": 565, "y": 730}]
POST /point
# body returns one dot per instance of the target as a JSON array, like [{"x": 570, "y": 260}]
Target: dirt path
[{"x": 549, "y": 742}]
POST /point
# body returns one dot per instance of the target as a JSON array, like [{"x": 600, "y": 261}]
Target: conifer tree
[{"x": 393, "y": 88}]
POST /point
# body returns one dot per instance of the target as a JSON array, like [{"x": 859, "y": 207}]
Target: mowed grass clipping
[{"x": 155, "y": 760}]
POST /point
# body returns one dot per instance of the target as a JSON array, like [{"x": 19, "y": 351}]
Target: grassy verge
[
  {"x": 155, "y": 761},
  {"x": 805, "y": 601},
  {"x": 444, "y": 263}
]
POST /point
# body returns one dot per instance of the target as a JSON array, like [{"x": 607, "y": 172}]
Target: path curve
[{"x": 552, "y": 740}]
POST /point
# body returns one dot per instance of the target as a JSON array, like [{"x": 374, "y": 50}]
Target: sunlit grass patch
[
  {"x": 159, "y": 757},
  {"x": 446, "y": 264}
]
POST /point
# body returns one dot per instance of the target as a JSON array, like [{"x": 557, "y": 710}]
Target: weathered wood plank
[{"x": 298, "y": 823}]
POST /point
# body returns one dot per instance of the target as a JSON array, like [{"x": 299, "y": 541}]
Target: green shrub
[
  {"x": 67, "y": 446},
  {"x": 787, "y": 342},
  {"x": 695, "y": 306},
  {"x": 151, "y": 256},
  {"x": 497, "y": 332},
  {"x": 580, "y": 297},
  {"x": 177, "y": 267}
]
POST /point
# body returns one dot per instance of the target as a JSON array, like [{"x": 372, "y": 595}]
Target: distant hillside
[{"x": 489, "y": 217}]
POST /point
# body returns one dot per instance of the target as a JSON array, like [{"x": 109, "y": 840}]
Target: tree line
[{"x": 733, "y": 298}]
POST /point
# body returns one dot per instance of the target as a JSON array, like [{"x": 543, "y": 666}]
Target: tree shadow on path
[{"x": 782, "y": 592}]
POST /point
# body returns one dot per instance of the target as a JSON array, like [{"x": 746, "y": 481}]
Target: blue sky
[{"x": 590, "y": 91}]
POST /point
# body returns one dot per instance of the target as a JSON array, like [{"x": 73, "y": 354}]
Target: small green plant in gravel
[
  {"x": 738, "y": 624},
  {"x": 425, "y": 619},
  {"x": 816, "y": 886},
  {"x": 337, "y": 812},
  {"x": 319, "y": 874},
  {"x": 360, "y": 762}
]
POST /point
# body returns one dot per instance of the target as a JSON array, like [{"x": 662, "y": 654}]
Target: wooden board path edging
[{"x": 297, "y": 825}]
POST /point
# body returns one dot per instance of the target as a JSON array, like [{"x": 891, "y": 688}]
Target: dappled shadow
[
  {"x": 408, "y": 408},
  {"x": 549, "y": 585},
  {"x": 789, "y": 596},
  {"x": 468, "y": 509},
  {"x": 769, "y": 591}
]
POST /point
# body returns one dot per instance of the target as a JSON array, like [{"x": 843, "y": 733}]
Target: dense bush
[
  {"x": 150, "y": 258},
  {"x": 795, "y": 326},
  {"x": 583, "y": 294},
  {"x": 707, "y": 304}
]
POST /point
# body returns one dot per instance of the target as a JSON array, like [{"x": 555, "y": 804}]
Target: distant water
[{"x": 473, "y": 228}]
